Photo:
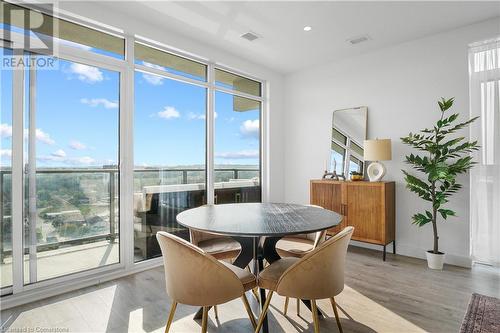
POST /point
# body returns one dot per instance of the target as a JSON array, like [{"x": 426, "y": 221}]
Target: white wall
[
  {"x": 274, "y": 80},
  {"x": 400, "y": 85}
]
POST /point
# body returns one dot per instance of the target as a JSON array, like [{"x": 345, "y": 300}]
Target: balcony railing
[{"x": 180, "y": 176}]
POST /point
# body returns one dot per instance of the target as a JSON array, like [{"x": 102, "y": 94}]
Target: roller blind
[
  {"x": 150, "y": 55},
  {"x": 238, "y": 83},
  {"x": 53, "y": 27},
  {"x": 241, "y": 104}
]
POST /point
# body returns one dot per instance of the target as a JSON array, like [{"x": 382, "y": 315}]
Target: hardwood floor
[{"x": 399, "y": 295}]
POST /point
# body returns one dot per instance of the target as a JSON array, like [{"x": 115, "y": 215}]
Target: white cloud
[
  {"x": 5, "y": 131},
  {"x": 94, "y": 102},
  {"x": 250, "y": 129},
  {"x": 243, "y": 154},
  {"x": 155, "y": 80},
  {"x": 59, "y": 153},
  {"x": 86, "y": 73},
  {"x": 44, "y": 137},
  {"x": 199, "y": 116},
  {"x": 5, "y": 153},
  {"x": 169, "y": 112},
  {"x": 196, "y": 116},
  {"x": 77, "y": 145}
]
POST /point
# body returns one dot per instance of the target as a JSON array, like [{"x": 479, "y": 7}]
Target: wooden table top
[{"x": 258, "y": 219}]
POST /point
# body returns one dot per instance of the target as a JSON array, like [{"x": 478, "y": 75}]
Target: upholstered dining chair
[
  {"x": 221, "y": 247},
  {"x": 196, "y": 278},
  {"x": 298, "y": 246},
  {"x": 318, "y": 275}
]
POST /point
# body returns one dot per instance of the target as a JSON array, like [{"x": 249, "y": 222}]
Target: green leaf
[
  {"x": 420, "y": 219},
  {"x": 446, "y": 104},
  {"x": 417, "y": 186},
  {"x": 446, "y": 212}
]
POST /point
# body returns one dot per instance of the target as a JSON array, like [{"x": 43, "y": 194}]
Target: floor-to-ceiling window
[
  {"x": 237, "y": 138},
  {"x": 111, "y": 146},
  {"x": 169, "y": 145}
]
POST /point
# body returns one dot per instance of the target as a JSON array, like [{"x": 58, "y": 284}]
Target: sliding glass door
[
  {"x": 71, "y": 170},
  {"x": 6, "y": 91}
]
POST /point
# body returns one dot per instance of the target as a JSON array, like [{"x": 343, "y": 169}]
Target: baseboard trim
[{"x": 415, "y": 252}]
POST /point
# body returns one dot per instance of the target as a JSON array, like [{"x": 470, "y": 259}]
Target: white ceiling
[{"x": 285, "y": 47}]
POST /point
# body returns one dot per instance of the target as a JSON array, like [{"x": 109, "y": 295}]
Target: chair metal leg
[
  {"x": 314, "y": 310},
  {"x": 216, "y": 312},
  {"x": 298, "y": 307},
  {"x": 255, "y": 292},
  {"x": 170, "y": 316},
  {"x": 286, "y": 306},
  {"x": 204, "y": 320},
  {"x": 249, "y": 310},
  {"x": 264, "y": 311},
  {"x": 334, "y": 306}
]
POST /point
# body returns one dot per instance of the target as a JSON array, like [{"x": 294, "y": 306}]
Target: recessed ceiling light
[{"x": 307, "y": 28}]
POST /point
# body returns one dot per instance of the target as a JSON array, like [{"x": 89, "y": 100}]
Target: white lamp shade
[{"x": 377, "y": 150}]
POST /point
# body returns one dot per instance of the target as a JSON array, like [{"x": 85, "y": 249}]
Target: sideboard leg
[
  {"x": 384, "y": 254},
  {"x": 394, "y": 246}
]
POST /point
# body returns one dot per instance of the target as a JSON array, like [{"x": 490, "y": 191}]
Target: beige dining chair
[
  {"x": 196, "y": 278},
  {"x": 221, "y": 247},
  {"x": 318, "y": 275},
  {"x": 298, "y": 246}
]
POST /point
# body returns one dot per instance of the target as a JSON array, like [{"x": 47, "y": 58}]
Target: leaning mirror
[{"x": 348, "y": 134}]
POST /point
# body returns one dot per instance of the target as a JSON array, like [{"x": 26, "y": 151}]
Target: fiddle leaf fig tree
[{"x": 441, "y": 157}]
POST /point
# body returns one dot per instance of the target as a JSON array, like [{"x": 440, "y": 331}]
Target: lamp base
[{"x": 375, "y": 171}]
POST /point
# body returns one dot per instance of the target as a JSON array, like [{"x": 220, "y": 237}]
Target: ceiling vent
[
  {"x": 359, "y": 39},
  {"x": 250, "y": 36}
]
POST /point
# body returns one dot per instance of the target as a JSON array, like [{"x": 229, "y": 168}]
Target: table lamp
[{"x": 375, "y": 151}]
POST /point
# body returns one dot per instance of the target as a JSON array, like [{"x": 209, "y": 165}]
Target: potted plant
[{"x": 444, "y": 157}]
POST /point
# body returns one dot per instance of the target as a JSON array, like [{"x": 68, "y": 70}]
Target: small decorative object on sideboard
[
  {"x": 332, "y": 175},
  {"x": 356, "y": 176},
  {"x": 445, "y": 156}
]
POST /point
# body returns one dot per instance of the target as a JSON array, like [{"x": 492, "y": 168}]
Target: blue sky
[{"x": 78, "y": 113}]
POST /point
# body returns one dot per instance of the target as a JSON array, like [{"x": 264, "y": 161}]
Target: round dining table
[{"x": 258, "y": 227}]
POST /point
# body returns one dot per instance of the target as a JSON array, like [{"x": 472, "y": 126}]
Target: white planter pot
[{"x": 435, "y": 261}]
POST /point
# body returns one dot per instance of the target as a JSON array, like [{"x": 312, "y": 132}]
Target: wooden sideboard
[{"x": 367, "y": 206}]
